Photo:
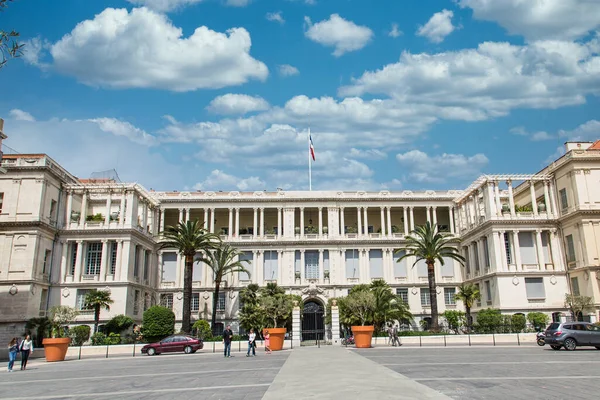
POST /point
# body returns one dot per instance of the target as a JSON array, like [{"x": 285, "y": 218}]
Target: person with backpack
[
  {"x": 13, "y": 350},
  {"x": 26, "y": 348}
]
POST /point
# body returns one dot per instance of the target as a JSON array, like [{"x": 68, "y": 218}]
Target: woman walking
[
  {"x": 26, "y": 350},
  {"x": 251, "y": 339},
  {"x": 13, "y": 349},
  {"x": 267, "y": 342}
]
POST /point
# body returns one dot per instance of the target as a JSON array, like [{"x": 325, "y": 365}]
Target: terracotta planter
[
  {"x": 363, "y": 336},
  {"x": 56, "y": 348},
  {"x": 277, "y": 337}
]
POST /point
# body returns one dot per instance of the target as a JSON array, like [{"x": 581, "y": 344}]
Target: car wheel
[
  {"x": 151, "y": 351},
  {"x": 555, "y": 347},
  {"x": 540, "y": 342},
  {"x": 570, "y": 344},
  {"x": 187, "y": 350}
]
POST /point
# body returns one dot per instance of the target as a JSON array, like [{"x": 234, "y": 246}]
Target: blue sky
[{"x": 219, "y": 94}]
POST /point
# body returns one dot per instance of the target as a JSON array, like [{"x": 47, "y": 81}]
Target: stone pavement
[{"x": 333, "y": 372}]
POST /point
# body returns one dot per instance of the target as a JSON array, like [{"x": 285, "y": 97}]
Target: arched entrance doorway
[{"x": 313, "y": 324}]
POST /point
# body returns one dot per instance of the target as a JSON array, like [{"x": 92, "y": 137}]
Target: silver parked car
[{"x": 572, "y": 334}]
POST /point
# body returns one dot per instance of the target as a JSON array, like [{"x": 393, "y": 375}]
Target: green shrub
[
  {"x": 118, "y": 324},
  {"x": 518, "y": 322},
  {"x": 538, "y": 320},
  {"x": 113, "y": 338},
  {"x": 79, "y": 334},
  {"x": 489, "y": 320},
  {"x": 455, "y": 319},
  {"x": 98, "y": 339},
  {"x": 159, "y": 322},
  {"x": 202, "y": 329}
]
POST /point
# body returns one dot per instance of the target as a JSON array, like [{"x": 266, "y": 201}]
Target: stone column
[
  {"x": 230, "y": 225},
  {"x": 205, "y": 222},
  {"x": 342, "y": 223},
  {"x": 302, "y": 268},
  {"x": 260, "y": 268},
  {"x": 212, "y": 220},
  {"x": 296, "y": 326},
  {"x": 511, "y": 199},
  {"x": 497, "y": 195},
  {"x": 103, "y": 260},
  {"x": 69, "y": 206},
  {"x": 405, "y": 213},
  {"x": 554, "y": 250},
  {"x": 122, "y": 209},
  {"x": 359, "y": 221},
  {"x": 279, "y": 228},
  {"x": 237, "y": 222},
  {"x": 540, "y": 250},
  {"x": 412, "y": 219},
  {"x": 553, "y": 199},
  {"x": 434, "y": 212},
  {"x": 382, "y": 222},
  {"x": 549, "y": 210},
  {"x": 496, "y": 261},
  {"x": 63, "y": 260},
  {"x": 321, "y": 267},
  {"x": 366, "y": 221},
  {"x": 427, "y": 211},
  {"x": 181, "y": 215},
  {"x": 262, "y": 222},
  {"x": 503, "y": 259},
  {"x": 533, "y": 197},
  {"x": 119, "y": 260},
  {"x": 302, "y": 222},
  {"x": 79, "y": 261},
  {"x": 179, "y": 271},
  {"x": 476, "y": 207},
  {"x": 451, "y": 215},
  {"x": 335, "y": 324},
  {"x": 320, "y": 221},
  {"x": 389, "y": 221},
  {"x": 83, "y": 212},
  {"x": 161, "y": 228},
  {"x": 517, "y": 248},
  {"x": 160, "y": 267},
  {"x": 145, "y": 217}
]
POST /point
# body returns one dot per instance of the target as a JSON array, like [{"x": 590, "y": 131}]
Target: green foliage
[
  {"x": 9, "y": 47},
  {"x": 468, "y": 294},
  {"x": 524, "y": 208},
  {"x": 538, "y": 320},
  {"x": 95, "y": 218},
  {"x": 489, "y": 320},
  {"x": 118, "y": 324},
  {"x": 267, "y": 307},
  {"x": 389, "y": 307},
  {"x": 43, "y": 329},
  {"x": 455, "y": 319},
  {"x": 358, "y": 308},
  {"x": 518, "y": 323},
  {"x": 79, "y": 334},
  {"x": 98, "y": 339},
  {"x": 578, "y": 305},
  {"x": 277, "y": 309},
  {"x": 61, "y": 316},
  {"x": 202, "y": 329},
  {"x": 159, "y": 322},
  {"x": 250, "y": 315},
  {"x": 113, "y": 338},
  {"x": 97, "y": 300}
]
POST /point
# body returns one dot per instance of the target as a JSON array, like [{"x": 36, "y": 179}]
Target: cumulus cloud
[
  {"x": 395, "y": 31},
  {"x": 164, "y": 5},
  {"x": 288, "y": 70},
  {"x": 125, "y": 129},
  {"x": 220, "y": 180},
  {"x": 237, "y": 3},
  {"x": 425, "y": 168},
  {"x": 438, "y": 27},
  {"x": 371, "y": 154},
  {"x": 589, "y": 131},
  {"x": 34, "y": 50},
  {"x": 539, "y": 19},
  {"x": 276, "y": 17},
  {"x": 237, "y": 104},
  {"x": 145, "y": 50},
  {"x": 21, "y": 115},
  {"x": 534, "y": 136},
  {"x": 337, "y": 32}
]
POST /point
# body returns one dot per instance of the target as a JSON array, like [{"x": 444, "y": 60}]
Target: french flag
[{"x": 312, "y": 148}]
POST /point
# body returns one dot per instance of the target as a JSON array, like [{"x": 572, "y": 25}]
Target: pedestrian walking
[
  {"x": 251, "y": 343},
  {"x": 396, "y": 338},
  {"x": 390, "y": 336},
  {"x": 267, "y": 342},
  {"x": 26, "y": 349},
  {"x": 227, "y": 338},
  {"x": 13, "y": 350}
]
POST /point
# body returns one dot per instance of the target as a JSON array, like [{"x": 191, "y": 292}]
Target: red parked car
[{"x": 172, "y": 344}]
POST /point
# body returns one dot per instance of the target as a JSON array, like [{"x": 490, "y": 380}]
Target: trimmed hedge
[
  {"x": 158, "y": 323},
  {"x": 79, "y": 334}
]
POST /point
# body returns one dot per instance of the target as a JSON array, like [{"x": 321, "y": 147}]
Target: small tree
[
  {"x": 577, "y": 305},
  {"x": 251, "y": 315},
  {"x": 61, "y": 316},
  {"x": 202, "y": 329},
  {"x": 43, "y": 328},
  {"x": 468, "y": 294},
  {"x": 277, "y": 309},
  {"x": 489, "y": 320},
  {"x": 159, "y": 322},
  {"x": 538, "y": 320},
  {"x": 98, "y": 300},
  {"x": 518, "y": 322},
  {"x": 455, "y": 319},
  {"x": 118, "y": 324},
  {"x": 79, "y": 334},
  {"x": 359, "y": 307}
]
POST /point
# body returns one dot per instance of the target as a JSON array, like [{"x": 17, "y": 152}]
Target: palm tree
[
  {"x": 426, "y": 243},
  {"x": 189, "y": 238},
  {"x": 468, "y": 294},
  {"x": 97, "y": 300},
  {"x": 224, "y": 260},
  {"x": 388, "y": 306}
]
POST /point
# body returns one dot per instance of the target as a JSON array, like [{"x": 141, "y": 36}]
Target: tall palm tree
[
  {"x": 426, "y": 243},
  {"x": 97, "y": 300},
  {"x": 389, "y": 307},
  {"x": 468, "y": 294},
  {"x": 224, "y": 260},
  {"x": 189, "y": 238}
]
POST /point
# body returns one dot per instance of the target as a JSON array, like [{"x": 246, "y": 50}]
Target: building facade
[{"x": 528, "y": 240}]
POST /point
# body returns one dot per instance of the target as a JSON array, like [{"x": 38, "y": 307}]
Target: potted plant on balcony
[
  {"x": 357, "y": 310},
  {"x": 326, "y": 275},
  {"x": 75, "y": 216},
  {"x": 56, "y": 346},
  {"x": 276, "y": 308},
  {"x": 297, "y": 230}
]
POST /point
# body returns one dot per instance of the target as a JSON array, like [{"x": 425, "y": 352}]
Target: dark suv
[{"x": 572, "y": 334}]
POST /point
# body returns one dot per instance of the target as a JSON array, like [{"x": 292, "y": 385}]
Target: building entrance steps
[{"x": 333, "y": 372}]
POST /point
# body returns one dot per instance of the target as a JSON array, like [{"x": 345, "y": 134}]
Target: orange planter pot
[
  {"x": 363, "y": 336},
  {"x": 56, "y": 349},
  {"x": 277, "y": 337}
]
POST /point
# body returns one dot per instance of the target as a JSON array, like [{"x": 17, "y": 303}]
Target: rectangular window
[
  {"x": 43, "y": 302},
  {"x": 52, "y": 211},
  {"x": 476, "y": 255},
  {"x": 247, "y": 260},
  {"x": 146, "y": 263},
  {"x": 422, "y": 269},
  {"x": 449, "y": 294},
  {"x": 136, "y": 302},
  {"x": 486, "y": 252},
  {"x": 166, "y": 300},
  {"x": 47, "y": 258},
  {"x": 575, "y": 286},
  {"x": 113, "y": 257},
  {"x": 311, "y": 264},
  {"x": 221, "y": 302},
  {"x": 479, "y": 290},
  {"x": 564, "y": 201},
  {"x": 270, "y": 265},
  {"x": 376, "y": 263},
  {"x": 136, "y": 262},
  {"x": 352, "y": 263},
  {"x": 195, "y": 302},
  {"x": 425, "y": 300},
  {"x": 400, "y": 268},
  {"x": 80, "y": 300},
  {"x": 73, "y": 257},
  {"x": 1, "y": 201},
  {"x": 535, "y": 288},
  {"x": 527, "y": 247},
  {"x": 507, "y": 248},
  {"x": 570, "y": 249},
  {"x": 93, "y": 259},
  {"x": 448, "y": 268},
  {"x": 467, "y": 259},
  {"x": 197, "y": 271},
  {"x": 546, "y": 248},
  {"x": 403, "y": 293},
  {"x": 488, "y": 291},
  {"x": 169, "y": 267}
]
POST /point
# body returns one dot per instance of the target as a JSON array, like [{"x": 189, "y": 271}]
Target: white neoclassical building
[{"x": 528, "y": 240}]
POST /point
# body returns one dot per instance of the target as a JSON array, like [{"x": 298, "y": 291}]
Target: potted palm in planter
[
  {"x": 276, "y": 308},
  {"x": 358, "y": 309},
  {"x": 56, "y": 347}
]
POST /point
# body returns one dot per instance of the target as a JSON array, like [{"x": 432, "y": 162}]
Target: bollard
[
  {"x": 444, "y": 340},
  {"x": 518, "y": 339},
  {"x": 420, "y": 343},
  {"x": 469, "y": 333},
  {"x": 107, "y": 351},
  {"x": 213, "y": 347},
  {"x": 134, "y": 348},
  {"x": 80, "y": 352},
  {"x": 494, "y": 338},
  {"x": 240, "y": 346}
]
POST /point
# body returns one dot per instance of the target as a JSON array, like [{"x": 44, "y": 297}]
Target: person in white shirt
[
  {"x": 26, "y": 349},
  {"x": 251, "y": 343}
]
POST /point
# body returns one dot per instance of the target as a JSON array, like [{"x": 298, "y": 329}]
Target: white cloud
[
  {"x": 219, "y": 180},
  {"x": 539, "y": 19},
  {"x": 21, "y": 115},
  {"x": 337, "y": 32},
  {"x": 424, "y": 168},
  {"x": 34, "y": 50},
  {"x": 237, "y": 3},
  {"x": 589, "y": 131},
  {"x": 164, "y": 5},
  {"x": 372, "y": 154},
  {"x": 275, "y": 17},
  {"x": 288, "y": 70},
  {"x": 535, "y": 136},
  {"x": 489, "y": 81},
  {"x": 438, "y": 27},
  {"x": 395, "y": 32},
  {"x": 125, "y": 129},
  {"x": 519, "y": 130},
  {"x": 237, "y": 104},
  {"x": 142, "y": 49}
]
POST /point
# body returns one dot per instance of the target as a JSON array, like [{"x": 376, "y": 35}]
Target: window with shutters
[
  {"x": 535, "y": 288},
  {"x": 93, "y": 258}
]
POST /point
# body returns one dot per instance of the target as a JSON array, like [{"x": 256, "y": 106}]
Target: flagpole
[{"x": 309, "y": 163}]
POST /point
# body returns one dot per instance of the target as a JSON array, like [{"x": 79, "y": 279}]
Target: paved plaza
[{"x": 525, "y": 372}]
